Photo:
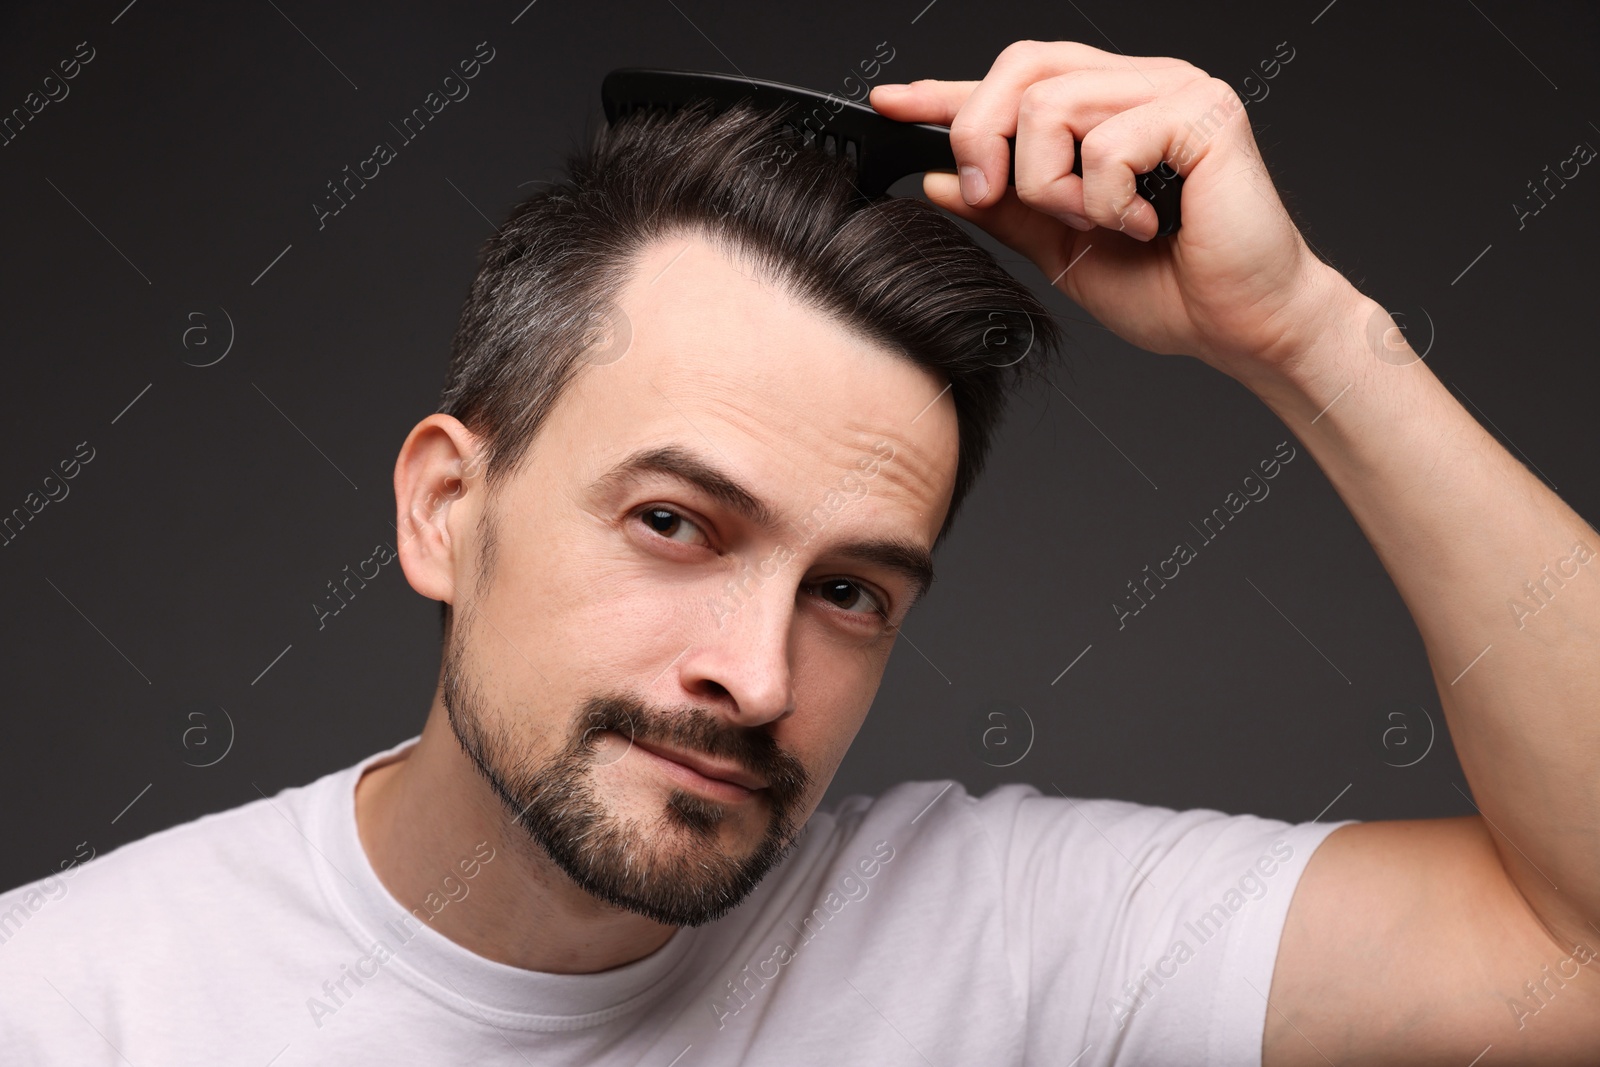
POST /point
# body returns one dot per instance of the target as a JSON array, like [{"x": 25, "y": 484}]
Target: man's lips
[{"x": 725, "y": 781}]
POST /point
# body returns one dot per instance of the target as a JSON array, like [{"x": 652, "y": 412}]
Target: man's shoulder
[
  {"x": 945, "y": 805},
  {"x": 933, "y": 802},
  {"x": 220, "y": 865},
  {"x": 1019, "y": 824},
  {"x": 934, "y": 821}
]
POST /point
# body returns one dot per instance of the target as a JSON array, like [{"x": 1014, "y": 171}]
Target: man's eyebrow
[
  {"x": 680, "y": 463},
  {"x": 908, "y": 558}
]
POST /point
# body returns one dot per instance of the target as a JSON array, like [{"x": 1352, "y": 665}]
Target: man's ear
[{"x": 438, "y": 491}]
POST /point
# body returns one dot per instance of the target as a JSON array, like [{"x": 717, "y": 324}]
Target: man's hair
[{"x": 895, "y": 270}]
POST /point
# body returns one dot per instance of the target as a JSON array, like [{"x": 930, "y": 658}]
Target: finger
[
  {"x": 1182, "y": 129},
  {"x": 938, "y": 101},
  {"x": 1055, "y": 112},
  {"x": 990, "y": 114},
  {"x": 981, "y": 115},
  {"x": 979, "y": 129},
  {"x": 924, "y": 100}
]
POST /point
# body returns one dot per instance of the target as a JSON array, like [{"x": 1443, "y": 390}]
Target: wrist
[{"x": 1333, "y": 332}]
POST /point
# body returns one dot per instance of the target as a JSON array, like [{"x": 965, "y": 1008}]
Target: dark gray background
[{"x": 185, "y": 161}]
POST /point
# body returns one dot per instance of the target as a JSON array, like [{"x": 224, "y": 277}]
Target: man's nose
[{"x": 740, "y": 657}]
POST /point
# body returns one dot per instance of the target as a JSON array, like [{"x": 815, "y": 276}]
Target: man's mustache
[{"x": 696, "y": 730}]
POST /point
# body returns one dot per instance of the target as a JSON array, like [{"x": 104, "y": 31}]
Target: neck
[{"x": 421, "y": 817}]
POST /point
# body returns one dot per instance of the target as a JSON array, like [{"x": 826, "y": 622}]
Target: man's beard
[{"x": 630, "y": 863}]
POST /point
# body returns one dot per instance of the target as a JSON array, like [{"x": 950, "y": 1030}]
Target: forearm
[{"x": 1495, "y": 570}]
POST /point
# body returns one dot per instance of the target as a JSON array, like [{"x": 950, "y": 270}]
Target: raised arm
[
  {"x": 1407, "y": 942},
  {"x": 1432, "y": 940}
]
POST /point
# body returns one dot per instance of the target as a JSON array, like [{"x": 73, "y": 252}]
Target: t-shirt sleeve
[{"x": 1143, "y": 935}]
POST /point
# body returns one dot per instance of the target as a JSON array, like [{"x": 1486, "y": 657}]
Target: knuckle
[
  {"x": 1036, "y": 99},
  {"x": 1223, "y": 94},
  {"x": 1052, "y": 95},
  {"x": 1099, "y": 144},
  {"x": 1030, "y": 190},
  {"x": 1022, "y": 47},
  {"x": 1022, "y": 51},
  {"x": 965, "y": 134},
  {"x": 1102, "y": 192}
]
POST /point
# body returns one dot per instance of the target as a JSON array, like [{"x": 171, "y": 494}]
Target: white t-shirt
[{"x": 924, "y": 926}]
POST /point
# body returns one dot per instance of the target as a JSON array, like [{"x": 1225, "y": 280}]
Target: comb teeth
[
  {"x": 829, "y": 142},
  {"x": 835, "y": 144}
]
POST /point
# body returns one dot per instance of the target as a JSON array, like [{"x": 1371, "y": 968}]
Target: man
[{"x": 704, "y": 424}]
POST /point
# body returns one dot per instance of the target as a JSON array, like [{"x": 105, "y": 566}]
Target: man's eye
[
  {"x": 673, "y": 527},
  {"x": 849, "y": 596}
]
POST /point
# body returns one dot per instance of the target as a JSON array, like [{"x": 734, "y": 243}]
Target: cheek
[
  {"x": 834, "y": 689},
  {"x": 590, "y": 607}
]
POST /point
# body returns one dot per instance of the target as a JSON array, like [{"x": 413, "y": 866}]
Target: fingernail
[
  {"x": 1077, "y": 222},
  {"x": 973, "y": 183},
  {"x": 893, "y": 88}
]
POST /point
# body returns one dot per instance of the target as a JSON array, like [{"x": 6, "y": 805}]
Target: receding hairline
[
  {"x": 716, "y": 173},
  {"x": 785, "y": 280}
]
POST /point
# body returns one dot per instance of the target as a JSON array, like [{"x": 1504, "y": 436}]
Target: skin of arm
[
  {"x": 1416, "y": 941},
  {"x": 1420, "y": 941}
]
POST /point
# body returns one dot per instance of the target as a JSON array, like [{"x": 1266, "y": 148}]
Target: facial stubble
[{"x": 671, "y": 869}]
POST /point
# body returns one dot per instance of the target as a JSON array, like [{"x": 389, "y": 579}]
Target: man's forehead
[
  {"x": 687, "y": 289},
  {"x": 701, "y": 316},
  {"x": 785, "y": 393}
]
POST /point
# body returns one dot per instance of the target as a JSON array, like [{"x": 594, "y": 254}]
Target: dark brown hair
[{"x": 897, "y": 270}]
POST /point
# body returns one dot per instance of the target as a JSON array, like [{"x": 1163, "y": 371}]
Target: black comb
[{"x": 882, "y": 149}]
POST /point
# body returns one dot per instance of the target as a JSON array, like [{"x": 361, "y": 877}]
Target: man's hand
[
  {"x": 1426, "y": 941},
  {"x": 1235, "y": 286}
]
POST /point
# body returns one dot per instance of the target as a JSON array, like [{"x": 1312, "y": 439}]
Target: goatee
[{"x": 671, "y": 869}]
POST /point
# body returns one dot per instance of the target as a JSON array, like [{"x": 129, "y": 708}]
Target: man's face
[{"x": 692, "y": 585}]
